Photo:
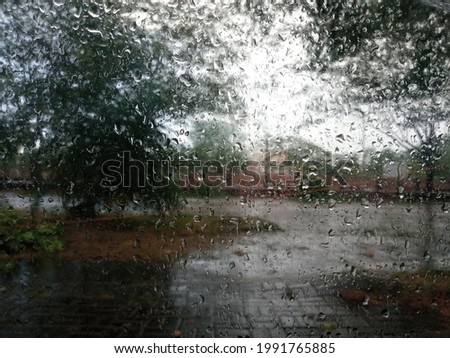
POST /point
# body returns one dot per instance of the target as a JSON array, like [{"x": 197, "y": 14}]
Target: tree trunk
[
  {"x": 429, "y": 236},
  {"x": 430, "y": 172},
  {"x": 37, "y": 195},
  {"x": 85, "y": 209}
]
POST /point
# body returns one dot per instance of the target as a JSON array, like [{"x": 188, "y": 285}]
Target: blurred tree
[
  {"x": 88, "y": 84},
  {"x": 380, "y": 159},
  {"x": 5, "y": 148},
  {"x": 217, "y": 140},
  {"x": 443, "y": 167},
  {"x": 394, "y": 53},
  {"x": 8, "y": 144}
]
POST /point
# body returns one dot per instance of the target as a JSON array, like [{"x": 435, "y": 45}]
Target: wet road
[
  {"x": 49, "y": 298},
  {"x": 286, "y": 283},
  {"x": 271, "y": 284}
]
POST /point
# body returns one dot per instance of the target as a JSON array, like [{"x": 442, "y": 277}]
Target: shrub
[
  {"x": 45, "y": 238},
  {"x": 6, "y": 265}
]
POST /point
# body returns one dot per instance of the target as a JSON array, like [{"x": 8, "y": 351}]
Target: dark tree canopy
[
  {"x": 85, "y": 84},
  {"x": 395, "y": 53}
]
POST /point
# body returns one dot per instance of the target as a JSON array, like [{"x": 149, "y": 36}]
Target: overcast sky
[{"x": 283, "y": 98}]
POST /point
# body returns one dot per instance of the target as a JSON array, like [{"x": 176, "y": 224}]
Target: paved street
[{"x": 271, "y": 284}]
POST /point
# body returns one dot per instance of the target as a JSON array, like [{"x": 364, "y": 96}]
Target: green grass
[
  {"x": 10, "y": 216},
  {"x": 6, "y": 265},
  {"x": 44, "y": 238},
  {"x": 16, "y": 235}
]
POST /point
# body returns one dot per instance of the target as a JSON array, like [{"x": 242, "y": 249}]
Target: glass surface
[{"x": 224, "y": 168}]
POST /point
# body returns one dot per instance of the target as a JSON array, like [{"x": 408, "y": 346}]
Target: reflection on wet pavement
[
  {"x": 276, "y": 284},
  {"x": 73, "y": 299}
]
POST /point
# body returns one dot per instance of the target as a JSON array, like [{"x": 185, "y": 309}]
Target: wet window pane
[{"x": 224, "y": 169}]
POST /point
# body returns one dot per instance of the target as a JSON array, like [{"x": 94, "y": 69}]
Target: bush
[
  {"x": 45, "y": 238},
  {"x": 6, "y": 265},
  {"x": 8, "y": 216}
]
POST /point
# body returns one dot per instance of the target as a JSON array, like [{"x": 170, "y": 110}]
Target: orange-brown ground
[
  {"x": 426, "y": 292},
  {"x": 150, "y": 238}
]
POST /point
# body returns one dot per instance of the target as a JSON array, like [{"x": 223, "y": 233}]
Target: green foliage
[
  {"x": 397, "y": 53},
  {"x": 443, "y": 162},
  {"x": 6, "y": 266},
  {"x": 45, "y": 238},
  {"x": 217, "y": 140},
  {"x": 215, "y": 143},
  {"x": 414, "y": 33},
  {"x": 8, "y": 217},
  {"x": 88, "y": 84},
  {"x": 379, "y": 160}
]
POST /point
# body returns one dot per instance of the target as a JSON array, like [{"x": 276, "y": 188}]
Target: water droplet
[
  {"x": 137, "y": 199},
  {"x": 186, "y": 80},
  {"x": 365, "y": 202},
  {"x": 332, "y": 204},
  {"x": 348, "y": 222},
  {"x": 94, "y": 32},
  {"x": 412, "y": 87},
  {"x": 158, "y": 223},
  {"x": 379, "y": 202}
]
